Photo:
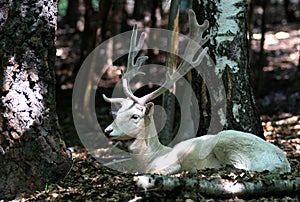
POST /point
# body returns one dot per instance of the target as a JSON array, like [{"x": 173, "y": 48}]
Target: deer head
[
  {"x": 135, "y": 116},
  {"x": 132, "y": 120}
]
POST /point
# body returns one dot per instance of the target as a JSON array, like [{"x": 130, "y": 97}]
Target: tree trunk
[
  {"x": 88, "y": 41},
  {"x": 104, "y": 7},
  {"x": 289, "y": 11},
  {"x": 139, "y": 7},
  {"x": 228, "y": 48},
  {"x": 31, "y": 151},
  {"x": 171, "y": 62},
  {"x": 219, "y": 188},
  {"x": 73, "y": 13}
]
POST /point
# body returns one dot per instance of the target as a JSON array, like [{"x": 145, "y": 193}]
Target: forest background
[{"x": 275, "y": 66}]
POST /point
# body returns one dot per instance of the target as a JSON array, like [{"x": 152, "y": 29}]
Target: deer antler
[
  {"x": 196, "y": 32},
  {"x": 133, "y": 67}
]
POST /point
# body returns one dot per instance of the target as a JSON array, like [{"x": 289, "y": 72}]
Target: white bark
[
  {"x": 226, "y": 31},
  {"x": 219, "y": 188},
  {"x": 229, "y": 50}
]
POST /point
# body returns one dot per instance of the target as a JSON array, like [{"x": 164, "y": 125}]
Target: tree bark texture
[
  {"x": 218, "y": 188},
  {"x": 31, "y": 151},
  {"x": 228, "y": 48}
]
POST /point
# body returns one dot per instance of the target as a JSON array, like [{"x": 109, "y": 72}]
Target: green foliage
[
  {"x": 49, "y": 187},
  {"x": 62, "y": 8},
  {"x": 95, "y": 4},
  {"x": 63, "y": 5}
]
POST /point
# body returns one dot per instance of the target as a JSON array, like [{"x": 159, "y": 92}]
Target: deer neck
[{"x": 147, "y": 146}]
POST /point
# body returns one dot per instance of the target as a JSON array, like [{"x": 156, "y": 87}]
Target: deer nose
[{"x": 108, "y": 131}]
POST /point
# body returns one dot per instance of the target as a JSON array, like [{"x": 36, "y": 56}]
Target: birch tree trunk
[
  {"x": 218, "y": 188},
  {"x": 228, "y": 47},
  {"x": 31, "y": 151}
]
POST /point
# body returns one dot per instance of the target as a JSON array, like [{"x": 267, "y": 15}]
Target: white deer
[{"x": 134, "y": 121}]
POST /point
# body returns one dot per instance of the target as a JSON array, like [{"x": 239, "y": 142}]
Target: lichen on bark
[
  {"x": 228, "y": 48},
  {"x": 31, "y": 151}
]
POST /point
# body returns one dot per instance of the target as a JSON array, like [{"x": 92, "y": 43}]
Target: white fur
[{"x": 242, "y": 150}]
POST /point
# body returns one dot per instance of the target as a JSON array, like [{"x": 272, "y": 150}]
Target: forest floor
[{"x": 278, "y": 100}]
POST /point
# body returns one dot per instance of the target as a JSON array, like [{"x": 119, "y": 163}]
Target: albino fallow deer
[{"x": 134, "y": 121}]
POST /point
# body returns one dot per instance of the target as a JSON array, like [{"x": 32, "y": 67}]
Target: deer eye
[{"x": 135, "y": 117}]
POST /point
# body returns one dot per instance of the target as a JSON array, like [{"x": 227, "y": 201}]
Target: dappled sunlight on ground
[
  {"x": 282, "y": 48},
  {"x": 285, "y": 133}
]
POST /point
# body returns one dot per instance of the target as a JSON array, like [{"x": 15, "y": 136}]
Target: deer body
[
  {"x": 134, "y": 122},
  {"x": 242, "y": 150},
  {"x": 229, "y": 147}
]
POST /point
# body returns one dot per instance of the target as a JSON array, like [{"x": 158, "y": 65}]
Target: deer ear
[{"x": 149, "y": 109}]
